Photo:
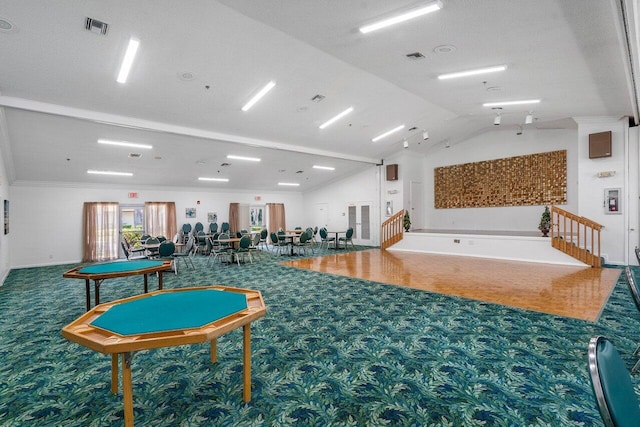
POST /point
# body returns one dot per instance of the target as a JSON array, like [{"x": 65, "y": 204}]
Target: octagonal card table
[
  {"x": 163, "y": 319},
  {"x": 110, "y": 270}
]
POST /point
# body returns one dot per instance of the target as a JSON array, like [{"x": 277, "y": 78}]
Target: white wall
[
  {"x": 337, "y": 196},
  {"x": 614, "y": 235},
  {"x": 5, "y": 248},
  {"x": 46, "y": 220},
  {"x": 496, "y": 145}
]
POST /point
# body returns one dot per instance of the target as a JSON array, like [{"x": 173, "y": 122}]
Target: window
[{"x": 132, "y": 223}]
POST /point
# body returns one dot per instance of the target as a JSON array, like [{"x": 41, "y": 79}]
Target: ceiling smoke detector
[
  {"x": 135, "y": 155},
  {"x": 95, "y": 26}
]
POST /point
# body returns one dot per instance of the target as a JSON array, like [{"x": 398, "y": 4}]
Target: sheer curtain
[
  {"x": 234, "y": 217},
  {"x": 100, "y": 232},
  {"x": 160, "y": 219},
  {"x": 275, "y": 211}
]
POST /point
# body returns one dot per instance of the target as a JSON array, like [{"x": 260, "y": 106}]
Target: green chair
[
  {"x": 302, "y": 243},
  {"x": 201, "y": 242},
  {"x": 225, "y": 227},
  {"x": 263, "y": 239},
  {"x": 635, "y": 292},
  {"x": 151, "y": 252},
  {"x": 221, "y": 249},
  {"x": 187, "y": 255},
  {"x": 128, "y": 254},
  {"x": 325, "y": 239},
  {"x": 198, "y": 227},
  {"x": 213, "y": 227},
  {"x": 166, "y": 251},
  {"x": 348, "y": 238},
  {"x": 611, "y": 382},
  {"x": 277, "y": 243},
  {"x": 243, "y": 248}
]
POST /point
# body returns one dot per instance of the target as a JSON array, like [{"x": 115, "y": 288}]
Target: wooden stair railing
[
  {"x": 576, "y": 236},
  {"x": 392, "y": 230}
]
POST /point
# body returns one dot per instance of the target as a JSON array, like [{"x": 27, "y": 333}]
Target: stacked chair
[{"x": 633, "y": 287}]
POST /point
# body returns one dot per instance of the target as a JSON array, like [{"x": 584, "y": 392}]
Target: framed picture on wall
[
  {"x": 190, "y": 212},
  {"x": 212, "y": 217},
  {"x": 6, "y": 217}
]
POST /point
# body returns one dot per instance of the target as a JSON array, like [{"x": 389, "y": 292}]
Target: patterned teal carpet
[{"x": 331, "y": 351}]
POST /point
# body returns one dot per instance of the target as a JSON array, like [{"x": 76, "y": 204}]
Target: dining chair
[
  {"x": 225, "y": 227},
  {"x": 243, "y": 248},
  {"x": 166, "y": 250},
  {"x": 612, "y": 386},
  {"x": 635, "y": 293},
  {"x": 187, "y": 255},
  {"x": 255, "y": 243},
  {"x": 198, "y": 227},
  {"x": 213, "y": 227},
  {"x": 152, "y": 252},
  {"x": 277, "y": 243},
  {"x": 301, "y": 244},
  {"x": 128, "y": 254},
  {"x": 264, "y": 234},
  {"x": 325, "y": 239},
  {"x": 348, "y": 238}
]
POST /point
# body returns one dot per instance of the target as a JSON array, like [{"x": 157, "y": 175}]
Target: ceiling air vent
[
  {"x": 318, "y": 98},
  {"x": 225, "y": 164},
  {"x": 96, "y": 26},
  {"x": 415, "y": 56},
  {"x": 135, "y": 155}
]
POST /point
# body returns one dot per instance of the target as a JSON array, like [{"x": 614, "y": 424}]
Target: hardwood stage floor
[{"x": 577, "y": 292}]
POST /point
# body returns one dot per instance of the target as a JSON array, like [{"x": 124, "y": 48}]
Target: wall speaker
[
  {"x": 392, "y": 172},
  {"x": 600, "y": 145}
]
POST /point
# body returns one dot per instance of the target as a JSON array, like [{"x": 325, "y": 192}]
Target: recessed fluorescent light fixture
[
  {"x": 289, "y": 184},
  {"x": 336, "y": 118},
  {"x": 327, "y": 168},
  {"x": 249, "y": 159},
  {"x": 259, "y": 95},
  {"x": 124, "y": 144},
  {"x": 202, "y": 178},
  {"x": 506, "y": 103},
  {"x": 94, "y": 172},
  {"x": 379, "y": 137},
  {"x": 472, "y": 72},
  {"x": 413, "y": 13},
  {"x": 127, "y": 62}
]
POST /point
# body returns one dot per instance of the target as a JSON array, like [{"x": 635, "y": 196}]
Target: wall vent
[
  {"x": 96, "y": 26},
  {"x": 415, "y": 55}
]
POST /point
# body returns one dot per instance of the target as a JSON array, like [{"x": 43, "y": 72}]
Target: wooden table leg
[
  {"x": 114, "y": 372},
  {"x": 127, "y": 390},
  {"x": 146, "y": 284},
  {"x": 214, "y": 350},
  {"x": 159, "y": 280},
  {"x": 246, "y": 374}
]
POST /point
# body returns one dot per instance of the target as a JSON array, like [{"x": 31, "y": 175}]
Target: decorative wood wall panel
[{"x": 534, "y": 179}]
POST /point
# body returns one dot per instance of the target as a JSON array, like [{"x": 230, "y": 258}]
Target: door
[
  {"x": 415, "y": 205},
  {"x": 360, "y": 220},
  {"x": 321, "y": 215}
]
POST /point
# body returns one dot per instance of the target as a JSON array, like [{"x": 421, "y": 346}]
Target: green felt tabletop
[
  {"x": 171, "y": 311},
  {"x": 117, "y": 266}
]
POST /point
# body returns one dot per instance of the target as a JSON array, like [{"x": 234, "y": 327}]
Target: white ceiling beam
[{"x": 153, "y": 126}]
